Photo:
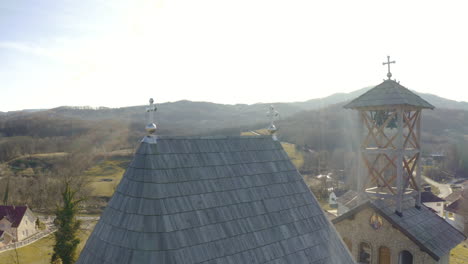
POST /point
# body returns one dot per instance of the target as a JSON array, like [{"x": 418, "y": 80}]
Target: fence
[{"x": 29, "y": 240}]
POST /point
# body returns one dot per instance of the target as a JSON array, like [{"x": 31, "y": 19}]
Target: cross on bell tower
[{"x": 389, "y": 74}]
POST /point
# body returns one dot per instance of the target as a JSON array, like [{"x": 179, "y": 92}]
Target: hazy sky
[{"x": 120, "y": 53}]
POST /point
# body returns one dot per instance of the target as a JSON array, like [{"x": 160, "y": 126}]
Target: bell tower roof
[{"x": 389, "y": 93}]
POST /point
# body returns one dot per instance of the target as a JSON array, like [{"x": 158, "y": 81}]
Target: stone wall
[{"x": 357, "y": 229}]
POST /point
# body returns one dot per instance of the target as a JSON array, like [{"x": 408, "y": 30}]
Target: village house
[
  {"x": 450, "y": 216},
  {"x": 434, "y": 202},
  {"x": 16, "y": 224},
  {"x": 2, "y": 238},
  {"x": 332, "y": 200},
  {"x": 455, "y": 195},
  {"x": 213, "y": 200},
  {"x": 459, "y": 211}
]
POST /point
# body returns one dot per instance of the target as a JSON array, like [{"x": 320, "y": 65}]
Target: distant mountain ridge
[
  {"x": 440, "y": 102},
  {"x": 319, "y": 124},
  {"x": 289, "y": 108},
  {"x": 188, "y": 117}
]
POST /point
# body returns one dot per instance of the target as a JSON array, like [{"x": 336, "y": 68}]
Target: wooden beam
[
  {"x": 399, "y": 180},
  {"x": 371, "y": 130},
  {"x": 411, "y": 124},
  {"x": 418, "y": 161},
  {"x": 381, "y": 129},
  {"x": 371, "y": 170},
  {"x": 410, "y": 171}
]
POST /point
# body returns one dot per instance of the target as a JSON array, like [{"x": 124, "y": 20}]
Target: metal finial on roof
[
  {"x": 151, "y": 126},
  {"x": 389, "y": 74},
  {"x": 273, "y": 115}
]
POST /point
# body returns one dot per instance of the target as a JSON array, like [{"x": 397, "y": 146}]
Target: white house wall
[
  {"x": 27, "y": 227},
  {"x": 4, "y": 224},
  {"x": 438, "y": 207}
]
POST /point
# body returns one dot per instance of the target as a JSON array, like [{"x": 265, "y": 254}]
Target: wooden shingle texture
[
  {"x": 348, "y": 199},
  {"x": 424, "y": 227},
  {"x": 213, "y": 200},
  {"x": 389, "y": 93}
]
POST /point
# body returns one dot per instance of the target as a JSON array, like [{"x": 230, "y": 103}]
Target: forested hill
[
  {"x": 184, "y": 117},
  {"x": 335, "y": 127},
  {"x": 440, "y": 102},
  {"x": 314, "y": 123},
  {"x": 332, "y": 132},
  {"x": 222, "y": 115}
]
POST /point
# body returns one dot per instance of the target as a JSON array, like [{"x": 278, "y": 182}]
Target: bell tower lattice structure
[{"x": 390, "y": 142}]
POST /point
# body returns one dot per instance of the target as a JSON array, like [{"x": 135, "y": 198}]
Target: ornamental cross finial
[
  {"x": 151, "y": 127},
  {"x": 389, "y": 74},
  {"x": 273, "y": 115},
  {"x": 151, "y": 109}
]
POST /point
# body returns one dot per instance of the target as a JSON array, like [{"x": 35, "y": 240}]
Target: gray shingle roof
[
  {"x": 460, "y": 206},
  {"x": 213, "y": 200},
  {"x": 389, "y": 93},
  {"x": 348, "y": 199},
  {"x": 424, "y": 227},
  {"x": 455, "y": 195},
  {"x": 429, "y": 197}
]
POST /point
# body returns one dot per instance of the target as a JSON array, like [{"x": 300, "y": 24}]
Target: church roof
[
  {"x": 348, "y": 199},
  {"x": 460, "y": 206},
  {"x": 389, "y": 93},
  {"x": 424, "y": 227},
  {"x": 213, "y": 200},
  {"x": 14, "y": 214},
  {"x": 455, "y": 195}
]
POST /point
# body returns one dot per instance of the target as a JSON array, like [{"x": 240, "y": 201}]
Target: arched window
[
  {"x": 365, "y": 253},
  {"x": 405, "y": 257},
  {"x": 348, "y": 243},
  {"x": 384, "y": 255}
]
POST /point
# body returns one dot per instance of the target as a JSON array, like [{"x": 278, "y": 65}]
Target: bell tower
[{"x": 390, "y": 141}]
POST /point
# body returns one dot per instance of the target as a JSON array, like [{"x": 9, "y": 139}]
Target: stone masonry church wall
[{"x": 358, "y": 229}]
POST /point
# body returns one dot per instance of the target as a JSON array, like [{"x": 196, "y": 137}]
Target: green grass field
[
  {"x": 459, "y": 255},
  {"x": 40, "y": 251},
  {"x": 106, "y": 175},
  {"x": 256, "y": 132},
  {"x": 296, "y": 156},
  {"x": 103, "y": 177}
]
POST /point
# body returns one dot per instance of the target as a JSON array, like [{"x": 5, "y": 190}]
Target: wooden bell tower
[{"x": 390, "y": 134}]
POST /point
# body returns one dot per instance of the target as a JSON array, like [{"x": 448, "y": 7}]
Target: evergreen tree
[
  {"x": 66, "y": 237},
  {"x": 7, "y": 190}
]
